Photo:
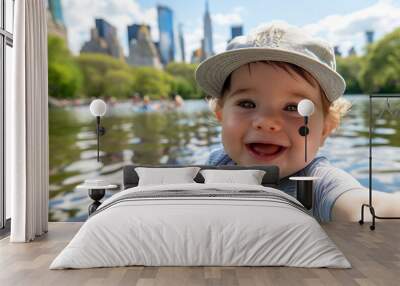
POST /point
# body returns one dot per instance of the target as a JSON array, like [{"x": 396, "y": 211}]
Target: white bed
[{"x": 222, "y": 225}]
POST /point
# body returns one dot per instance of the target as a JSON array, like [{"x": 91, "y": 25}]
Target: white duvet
[{"x": 207, "y": 230}]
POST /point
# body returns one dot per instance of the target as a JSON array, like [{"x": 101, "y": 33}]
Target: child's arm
[
  {"x": 339, "y": 196},
  {"x": 348, "y": 205}
]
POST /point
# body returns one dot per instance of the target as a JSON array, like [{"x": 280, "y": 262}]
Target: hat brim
[{"x": 212, "y": 73}]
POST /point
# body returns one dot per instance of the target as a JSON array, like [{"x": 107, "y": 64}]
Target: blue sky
[
  {"x": 341, "y": 22},
  {"x": 295, "y": 12}
]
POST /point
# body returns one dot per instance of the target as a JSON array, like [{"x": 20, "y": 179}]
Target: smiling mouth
[{"x": 265, "y": 152}]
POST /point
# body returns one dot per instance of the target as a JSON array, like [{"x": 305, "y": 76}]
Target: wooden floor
[{"x": 374, "y": 255}]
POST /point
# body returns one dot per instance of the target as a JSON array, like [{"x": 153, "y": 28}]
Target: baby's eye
[
  {"x": 291, "y": 107},
  {"x": 246, "y": 104}
]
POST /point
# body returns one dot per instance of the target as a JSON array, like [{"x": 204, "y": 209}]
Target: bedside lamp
[
  {"x": 97, "y": 187},
  {"x": 305, "y": 108},
  {"x": 304, "y": 184},
  {"x": 98, "y": 108}
]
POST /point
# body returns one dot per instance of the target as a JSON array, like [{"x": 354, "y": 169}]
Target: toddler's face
[{"x": 260, "y": 121}]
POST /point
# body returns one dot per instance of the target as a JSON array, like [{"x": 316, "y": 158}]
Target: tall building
[
  {"x": 103, "y": 39},
  {"x": 369, "y": 36},
  {"x": 208, "y": 40},
  {"x": 55, "y": 19},
  {"x": 134, "y": 29},
  {"x": 352, "y": 51},
  {"x": 142, "y": 51},
  {"x": 181, "y": 43},
  {"x": 337, "y": 51},
  {"x": 108, "y": 32},
  {"x": 56, "y": 11},
  {"x": 236, "y": 31},
  {"x": 166, "y": 29}
]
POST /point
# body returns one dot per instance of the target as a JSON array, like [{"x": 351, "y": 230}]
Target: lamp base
[
  {"x": 96, "y": 195},
  {"x": 305, "y": 194},
  {"x": 304, "y": 190}
]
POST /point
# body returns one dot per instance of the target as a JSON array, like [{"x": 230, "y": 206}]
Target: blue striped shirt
[{"x": 331, "y": 184}]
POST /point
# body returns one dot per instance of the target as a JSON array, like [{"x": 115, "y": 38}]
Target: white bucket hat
[{"x": 275, "y": 42}]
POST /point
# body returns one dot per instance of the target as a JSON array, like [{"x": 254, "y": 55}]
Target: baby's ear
[
  {"x": 218, "y": 113},
  {"x": 329, "y": 127}
]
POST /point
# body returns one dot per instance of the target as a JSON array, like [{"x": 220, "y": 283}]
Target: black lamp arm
[{"x": 100, "y": 131}]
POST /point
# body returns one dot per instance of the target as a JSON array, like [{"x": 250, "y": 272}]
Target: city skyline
[{"x": 345, "y": 30}]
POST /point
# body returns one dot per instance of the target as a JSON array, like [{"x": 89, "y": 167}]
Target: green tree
[
  {"x": 152, "y": 82},
  {"x": 185, "y": 71},
  {"x": 119, "y": 83},
  {"x": 101, "y": 72},
  {"x": 381, "y": 70},
  {"x": 64, "y": 76},
  {"x": 349, "y": 67},
  {"x": 181, "y": 86}
]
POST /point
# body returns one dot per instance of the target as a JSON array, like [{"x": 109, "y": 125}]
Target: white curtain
[{"x": 27, "y": 157}]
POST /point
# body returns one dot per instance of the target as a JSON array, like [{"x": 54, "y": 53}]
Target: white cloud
[
  {"x": 228, "y": 19},
  {"x": 79, "y": 17},
  {"x": 348, "y": 30},
  {"x": 192, "y": 40}
]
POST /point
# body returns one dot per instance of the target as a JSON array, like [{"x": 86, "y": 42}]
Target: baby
[{"x": 253, "y": 89}]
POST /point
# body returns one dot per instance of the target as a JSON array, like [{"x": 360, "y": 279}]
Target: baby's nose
[{"x": 267, "y": 123}]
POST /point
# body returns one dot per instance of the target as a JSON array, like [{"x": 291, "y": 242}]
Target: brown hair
[{"x": 333, "y": 111}]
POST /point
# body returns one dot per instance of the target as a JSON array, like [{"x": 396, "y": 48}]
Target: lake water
[{"x": 186, "y": 136}]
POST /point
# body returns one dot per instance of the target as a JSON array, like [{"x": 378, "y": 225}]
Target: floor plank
[{"x": 374, "y": 255}]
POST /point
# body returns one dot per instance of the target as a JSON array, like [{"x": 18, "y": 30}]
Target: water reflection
[{"x": 186, "y": 136}]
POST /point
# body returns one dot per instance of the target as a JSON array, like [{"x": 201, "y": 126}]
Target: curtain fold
[{"x": 27, "y": 157}]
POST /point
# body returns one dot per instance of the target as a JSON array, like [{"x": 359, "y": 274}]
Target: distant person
[
  {"x": 146, "y": 105},
  {"x": 178, "y": 101},
  {"x": 110, "y": 100},
  {"x": 136, "y": 100}
]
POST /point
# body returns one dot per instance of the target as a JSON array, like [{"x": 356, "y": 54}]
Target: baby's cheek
[{"x": 232, "y": 135}]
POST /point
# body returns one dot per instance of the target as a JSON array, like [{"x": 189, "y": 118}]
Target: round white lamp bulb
[
  {"x": 98, "y": 107},
  {"x": 305, "y": 107}
]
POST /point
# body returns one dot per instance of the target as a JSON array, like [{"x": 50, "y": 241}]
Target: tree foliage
[
  {"x": 349, "y": 68},
  {"x": 64, "y": 76},
  {"x": 381, "y": 70},
  {"x": 184, "y": 74},
  {"x": 152, "y": 82},
  {"x": 104, "y": 75}
]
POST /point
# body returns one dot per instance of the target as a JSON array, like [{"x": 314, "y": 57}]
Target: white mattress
[{"x": 189, "y": 230}]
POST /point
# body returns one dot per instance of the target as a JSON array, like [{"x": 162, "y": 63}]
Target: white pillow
[
  {"x": 162, "y": 176},
  {"x": 249, "y": 177}
]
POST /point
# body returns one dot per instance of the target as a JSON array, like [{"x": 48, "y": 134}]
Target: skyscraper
[
  {"x": 337, "y": 51},
  {"x": 56, "y": 11},
  {"x": 142, "y": 51},
  {"x": 369, "y": 36},
  {"x": 352, "y": 51},
  {"x": 208, "y": 40},
  {"x": 133, "y": 31},
  {"x": 55, "y": 19},
  {"x": 236, "y": 31},
  {"x": 166, "y": 29},
  {"x": 181, "y": 43},
  {"x": 109, "y": 34},
  {"x": 103, "y": 39},
  {"x": 105, "y": 29}
]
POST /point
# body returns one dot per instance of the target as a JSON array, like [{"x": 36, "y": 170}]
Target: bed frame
[{"x": 270, "y": 179}]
